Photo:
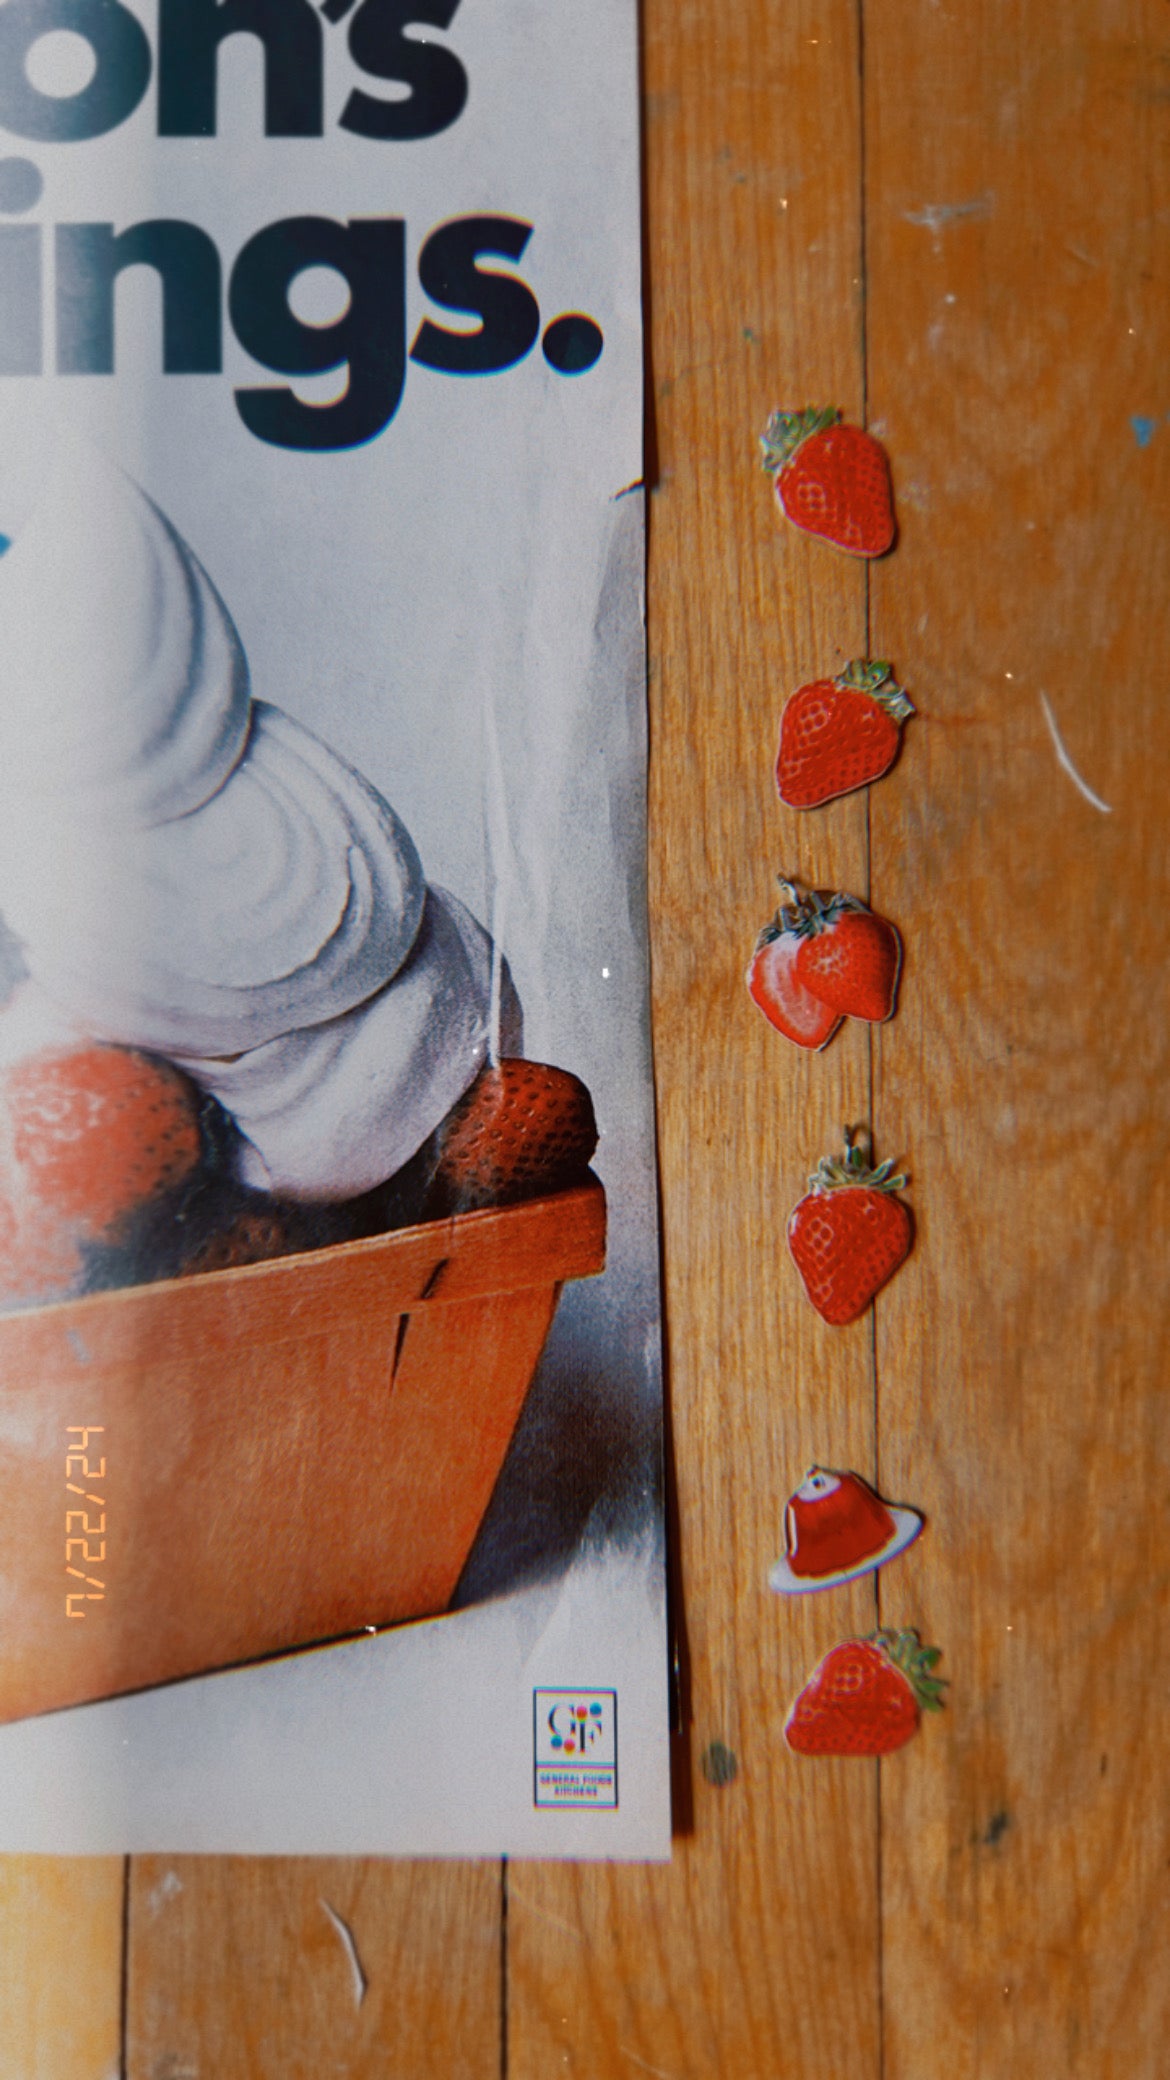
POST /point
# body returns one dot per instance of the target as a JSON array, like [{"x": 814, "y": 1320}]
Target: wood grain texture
[
  {"x": 61, "y": 1924},
  {"x": 1019, "y": 286},
  {"x": 239, "y": 1970}
]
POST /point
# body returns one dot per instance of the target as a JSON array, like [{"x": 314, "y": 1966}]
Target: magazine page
[{"x": 330, "y": 1394}]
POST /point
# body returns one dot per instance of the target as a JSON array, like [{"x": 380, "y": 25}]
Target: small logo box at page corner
[{"x": 575, "y": 1748}]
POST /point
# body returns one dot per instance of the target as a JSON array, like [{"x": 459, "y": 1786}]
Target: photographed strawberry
[
  {"x": 773, "y": 978},
  {"x": 866, "y": 1697},
  {"x": 831, "y": 479},
  {"x": 849, "y": 1234},
  {"x": 96, "y": 1131},
  {"x": 847, "y": 956},
  {"x": 253, "y": 1236},
  {"x": 840, "y": 734},
  {"x": 92, "y": 1139},
  {"x": 522, "y": 1129}
]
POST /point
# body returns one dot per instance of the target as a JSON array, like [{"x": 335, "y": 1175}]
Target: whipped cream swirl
[
  {"x": 290, "y": 896},
  {"x": 189, "y": 870},
  {"x": 331, "y": 1110},
  {"x": 123, "y": 683}
]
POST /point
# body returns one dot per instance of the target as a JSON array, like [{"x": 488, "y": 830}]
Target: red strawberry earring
[
  {"x": 840, "y": 734},
  {"x": 849, "y": 1233},
  {"x": 832, "y": 480},
  {"x": 866, "y": 1697},
  {"x": 821, "y": 959}
]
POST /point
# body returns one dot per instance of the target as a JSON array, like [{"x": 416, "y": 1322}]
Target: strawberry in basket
[
  {"x": 523, "y": 1129},
  {"x": 90, "y": 1136}
]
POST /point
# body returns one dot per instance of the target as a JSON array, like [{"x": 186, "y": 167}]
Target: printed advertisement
[{"x": 330, "y": 1385}]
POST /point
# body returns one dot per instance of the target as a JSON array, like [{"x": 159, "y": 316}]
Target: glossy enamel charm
[
  {"x": 822, "y": 958},
  {"x": 839, "y": 734},
  {"x": 849, "y": 1234},
  {"x": 866, "y": 1697},
  {"x": 831, "y": 479},
  {"x": 837, "y": 1528}
]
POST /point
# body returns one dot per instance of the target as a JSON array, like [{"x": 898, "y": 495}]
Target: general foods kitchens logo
[{"x": 575, "y": 1748}]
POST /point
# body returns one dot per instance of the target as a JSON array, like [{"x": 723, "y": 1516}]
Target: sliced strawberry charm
[
  {"x": 866, "y": 1697},
  {"x": 840, "y": 734},
  {"x": 821, "y": 959},
  {"x": 774, "y": 982},
  {"x": 849, "y": 1234},
  {"x": 831, "y": 479}
]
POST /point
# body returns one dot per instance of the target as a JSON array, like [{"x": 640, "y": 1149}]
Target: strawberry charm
[
  {"x": 848, "y": 957},
  {"x": 840, "y": 734},
  {"x": 832, "y": 480},
  {"x": 849, "y": 1234},
  {"x": 866, "y": 1697},
  {"x": 823, "y": 958},
  {"x": 774, "y": 982}
]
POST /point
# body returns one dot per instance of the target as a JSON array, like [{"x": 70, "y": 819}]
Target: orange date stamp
[{"x": 78, "y": 1542}]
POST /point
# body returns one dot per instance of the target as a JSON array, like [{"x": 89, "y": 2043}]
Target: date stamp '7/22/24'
[{"x": 82, "y": 1535}]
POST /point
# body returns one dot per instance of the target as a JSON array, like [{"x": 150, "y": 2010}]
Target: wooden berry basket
[{"x": 262, "y": 1458}]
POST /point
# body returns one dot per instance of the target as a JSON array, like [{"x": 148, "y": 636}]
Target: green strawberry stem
[
  {"x": 875, "y": 676},
  {"x": 915, "y": 1662},
  {"x": 834, "y": 1172},
  {"x": 786, "y": 431},
  {"x": 807, "y": 911}
]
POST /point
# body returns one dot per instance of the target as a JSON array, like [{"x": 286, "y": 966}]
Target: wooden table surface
[{"x": 951, "y": 220}]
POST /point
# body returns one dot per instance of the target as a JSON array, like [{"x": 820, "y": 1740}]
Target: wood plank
[
  {"x": 61, "y": 1979},
  {"x": 1019, "y": 320},
  {"x": 757, "y": 1951},
  {"x": 250, "y": 1968}
]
